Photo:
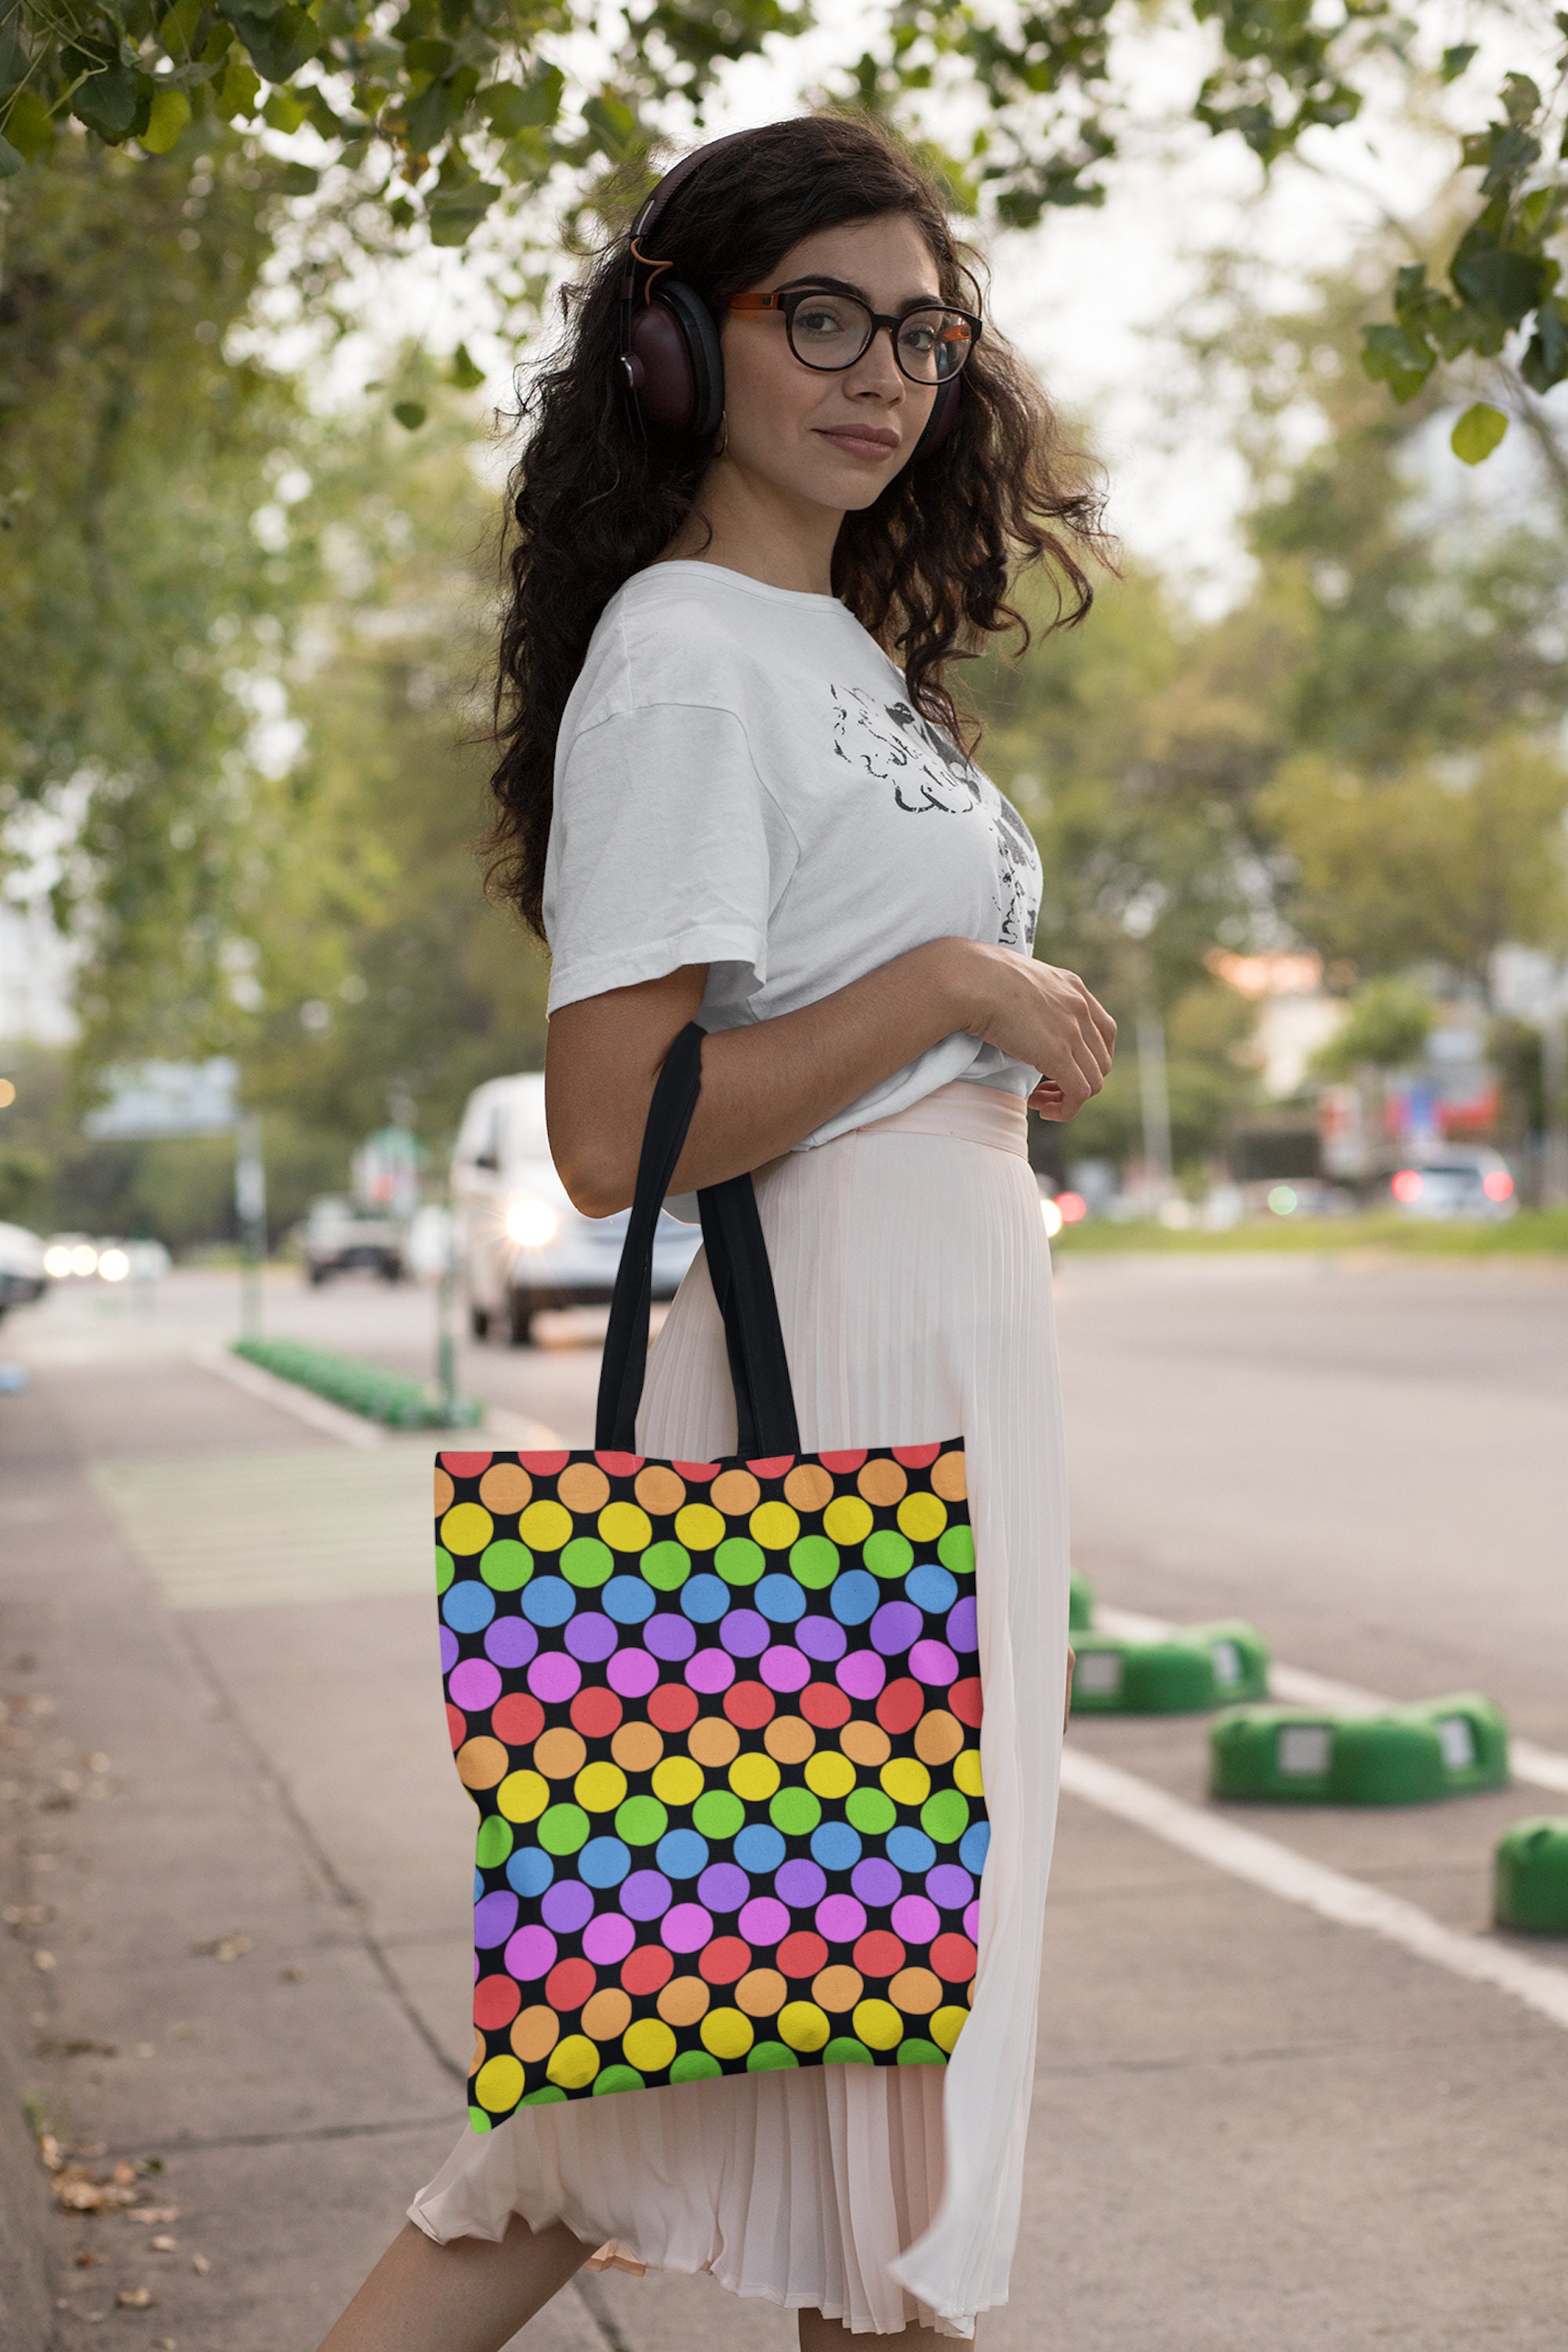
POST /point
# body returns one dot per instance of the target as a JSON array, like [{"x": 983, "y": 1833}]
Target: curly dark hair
[{"x": 926, "y": 568}]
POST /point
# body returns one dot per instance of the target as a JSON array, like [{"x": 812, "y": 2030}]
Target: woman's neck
[{"x": 752, "y": 526}]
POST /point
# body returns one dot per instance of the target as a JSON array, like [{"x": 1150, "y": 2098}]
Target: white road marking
[{"x": 1279, "y": 1870}]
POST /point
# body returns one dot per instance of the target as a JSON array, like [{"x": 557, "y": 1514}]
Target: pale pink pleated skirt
[{"x": 913, "y": 1278}]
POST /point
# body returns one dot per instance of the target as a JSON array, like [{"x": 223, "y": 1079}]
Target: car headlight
[
  {"x": 84, "y": 1259},
  {"x": 57, "y": 1261},
  {"x": 113, "y": 1264},
  {"x": 531, "y": 1223}
]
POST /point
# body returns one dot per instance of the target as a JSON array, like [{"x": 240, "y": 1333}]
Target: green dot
[
  {"x": 718, "y": 1814},
  {"x": 888, "y": 1553},
  {"x": 920, "y": 2053},
  {"x": 695, "y": 2066},
  {"x": 641, "y": 1821},
  {"x": 814, "y": 1561},
  {"x": 945, "y": 1816},
  {"x": 494, "y": 1842},
  {"x": 478, "y": 2119},
  {"x": 870, "y": 1811},
  {"x": 442, "y": 1569},
  {"x": 563, "y": 1829},
  {"x": 739, "y": 1561},
  {"x": 956, "y": 1549},
  {"x": 770, "y": 2058},
  {"x": 506, "y": 1566},
  {"x": 667, "y": 1566},
  {"x": 551, "y": 2096},
  {"x": 586, "y": 1561},
  {"x": 795, "y": 1812},
  {"x": 617, "y": 2078},
  {"x": 845, "y": 2051}
]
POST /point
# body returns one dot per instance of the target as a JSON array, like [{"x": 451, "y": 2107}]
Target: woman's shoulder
[{"x": 694, "y": 632}]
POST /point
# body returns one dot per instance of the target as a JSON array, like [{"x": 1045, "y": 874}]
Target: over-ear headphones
[{"x": 670, "y": 354}]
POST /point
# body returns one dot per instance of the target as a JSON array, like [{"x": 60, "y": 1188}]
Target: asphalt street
[{"x": 238, "y": 1854}]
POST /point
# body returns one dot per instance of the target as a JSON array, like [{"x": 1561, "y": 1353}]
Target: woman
[{"x": 720, "y": 800}]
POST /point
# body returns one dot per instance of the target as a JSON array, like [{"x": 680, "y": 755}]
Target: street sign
[{"x": 154, "y": 1099}]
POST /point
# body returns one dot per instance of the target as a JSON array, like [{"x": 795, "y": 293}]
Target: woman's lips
[{"x": 873, "y": 446}]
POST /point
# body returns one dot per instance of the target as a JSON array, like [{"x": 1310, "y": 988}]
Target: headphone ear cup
[
  {"x": 677, "y": 367},
  {"x": 942, "y": 421}
]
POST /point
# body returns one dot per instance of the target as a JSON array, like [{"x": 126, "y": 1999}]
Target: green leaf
[
  {"x": 410, "y": 413},
  {"x": 454, "y": 213},
  {"x": 1478, "y": 432},
  {"x": 1546, "y": 362},
  {"x": 279, "y": 43},
  {"x": 431, "y": 116},
  {"x": 508, "y": 109},
  {"x": 284, "y": 111},
  {"x": 463, "y": 372},
  {"x": 10, "y": 161},
  {"x": 1521, "y": 99},
  {"x": 1456, "y": 59},
  {"x": 29, "y": 125},
  {"x": 300, "y": 179},
  {"x": 170, "y": 112},
  {"x": 106, "y": 102},
  {"x": 1393, "y": 356},
  {"x": 1511, "y": 284},
  {"x": 178, "y": 29},
  {"x": 614, "y": 125},
  {"x": 239, "y": 89}
]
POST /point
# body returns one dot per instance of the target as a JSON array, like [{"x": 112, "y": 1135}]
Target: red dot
[
  {"x": 544, "y": 1465},
  {"x": 773, "y": 1465},
  {"x": 619, "y": 1465},
  {"x": 967, "y": 1701},
  {"x": 824, "y": 1705},
  {"x": 802, "y": 1953},
  {"x": 596, "y": 1712},
  {"x": 953, "y": 1959},
  {"x": 465, "y": 1466},
  {"x": 643, "y": 1971},
  {"x": 916, "y": 1457},
  {"x": 901, "y": 1706},
  {"x": 699, "y": 1473},
  {"x": 456, "y": 1728},
  {"x": 568, "y": 1984},
  {"x": 672, "y": 1708},
  {"x": 839, "y": 1462},
  {"x": 749, "y": 1706},
  {"x": 495, "y": 2002},
  {"x": 725, "y": 1960},
  {"x": 518, "y": 1719},
  {"x": 878, "y": 1953}
]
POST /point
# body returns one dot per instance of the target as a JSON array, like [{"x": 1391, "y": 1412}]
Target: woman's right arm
[{"x": 766, "y": 1086}]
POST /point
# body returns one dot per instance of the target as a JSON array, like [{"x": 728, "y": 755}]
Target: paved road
[{"x": 1253, "y": 2124}]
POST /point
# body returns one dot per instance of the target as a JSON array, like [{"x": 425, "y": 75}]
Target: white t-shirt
[{"x": 740, "y": 782}]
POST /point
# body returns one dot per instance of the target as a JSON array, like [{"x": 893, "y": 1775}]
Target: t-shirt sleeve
[{"x": 663, "y": 850}]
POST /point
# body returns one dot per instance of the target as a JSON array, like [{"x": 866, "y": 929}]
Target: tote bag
[{"x": 720, "y": 1719}]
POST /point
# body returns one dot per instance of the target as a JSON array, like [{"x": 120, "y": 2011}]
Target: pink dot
[
  {"x": 709, "y": 1671},
  {"x": 764, "y": 1921},
  {"x": 632, "y": 1672},
  {"x": 686, "y": 1928},
  {"x": 972, "y": 1923},
  {"x": 530, "y": 1954},
  {"x": 915, "y": 1919},
  {"x": 933, "y": 1662},
  {"x": 861, "y": 1674},
  {"x": 782, "y": 1669},
  {"x": 840, "y": 1918},
  {"x": 475, "y": 1685},
  {"x": 608, "y": 1938},
  {"x": 554, "y": 1678}
]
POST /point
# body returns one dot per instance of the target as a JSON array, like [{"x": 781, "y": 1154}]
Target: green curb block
[
  {"x": 1201, "y": 1666},
  {"x": 1530, "y": 1878},
  {"x": 390, "y": 1398},
  {"x": 1411, "y": 1756},
  {"x": 1080, "y": 1604}
]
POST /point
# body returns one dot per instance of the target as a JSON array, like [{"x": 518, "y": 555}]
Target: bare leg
[
  {"x": 467, "y": 2296},
  {"x": 819, "y": 2335}
]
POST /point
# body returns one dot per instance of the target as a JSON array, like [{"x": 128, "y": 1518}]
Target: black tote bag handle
[{"x": 737, "y": 1265}]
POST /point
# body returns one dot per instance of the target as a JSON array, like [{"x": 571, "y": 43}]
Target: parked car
[
  {"x": 21, "y": 1275},
  {"x": 521, "y": 1245},
  {"x": 1452, "y": 1180},
  {"x": 340, "y": 1236}
]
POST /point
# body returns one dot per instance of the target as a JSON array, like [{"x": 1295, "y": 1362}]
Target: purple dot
[
  {"x": 744, "y": 1634},
  {"x": 972, "y": 1923},
  {"x": 933, "y": 1662},
  {"x": 800, "y": 1884},
  {"x": 709, "y": 1671},
  {"x": 895, "y": 1626},
  {"x": 553, "y": 1678},
  {"x": 568, "y": 1905},
  {"x": 475, "y": 1685},
  {"x": 644, "y": 1894},
  {"x": 962, "y": 1630},
  {"x": 686, "y": 1929},
  {"x": 950, "y": 1886},
  {"x": 608, "y": 1938},
  {"x": 632, "y": 1672},
  {"x": 875, "y": 1882},
  {"x": 784, "y": 1669},
  {"x": 861, "y": 1675},
  {"x": 840, "y": 1918},
  {"x": 530, "y": 1954},
  {"x": 591, "y": 1637},
  {"x": 764, "y": 1921},
  {"x": 450, "y": 1649},
  {"x": 915, "y": 1919},
  {"x": 669, "y": 1636},
  {"x": 510, "y": 1640},
  {"x": 495, "y": 1917},
  {"x": 723, "y": 1887},
  {"x": 822, "y": 1638}
]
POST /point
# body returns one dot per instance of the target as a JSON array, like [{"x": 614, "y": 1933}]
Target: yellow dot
[
  {"x": 648, "y": 2045},
  {"x": 846, "y": 1519},
  {"x": 921, "y": 1517},
  {"x": 481, "y": 1763},
  {"x": 522, "y": 1796},
  {"x": 947, "y": 2025},
  {"x": 754, "y": 1778},
  {"x": 545, "y": 1527},
  {"x": 599, "y": 1788},
  {"x": 966, "y": 1773},
  {"x": 775, "y": 1526},
  {"x": 625, "y": 1528},
  {"x": 498, "y": 2086},
  {"x": 466, "y": 1527},
  {"x": 726, "y": 2034},
  {"x": 879, "y": 2024},
  {"x": 906, "y": 1782},
  {"x": 698, "y": 1527},
  {"x": 574, "y": 2062},
  {"x": 802, "y": 2025},
  {"x": 677, "y": 1781},
  {"x": 829, "y": 1775}
]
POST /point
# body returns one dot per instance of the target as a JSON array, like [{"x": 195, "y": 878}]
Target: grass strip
[
  {"x": 1533, "y": 1233},
  {"x": 390, "y": 1398}
]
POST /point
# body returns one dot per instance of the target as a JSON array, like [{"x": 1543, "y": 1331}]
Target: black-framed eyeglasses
[{"x": 830, "y": 329}]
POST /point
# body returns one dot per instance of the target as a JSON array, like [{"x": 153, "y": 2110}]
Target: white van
[{"x": 521, "y": 1244}]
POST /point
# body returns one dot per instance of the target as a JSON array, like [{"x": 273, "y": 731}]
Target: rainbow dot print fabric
[{"x": 721, "y": 1721}]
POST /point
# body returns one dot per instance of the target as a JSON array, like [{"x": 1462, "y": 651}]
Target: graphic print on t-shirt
[{"x": 891, "y": 742}]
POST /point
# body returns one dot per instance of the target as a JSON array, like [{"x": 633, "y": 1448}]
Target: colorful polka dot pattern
[{"x": 721, "y": 1721}]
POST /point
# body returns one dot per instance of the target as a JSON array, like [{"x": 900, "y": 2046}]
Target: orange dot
[
  {"x": 882, "y": 1482},
  {"x": 480, "y": 2052},
  {"x": 684, "y": 2000},
  {"x": 534, "y": 2032},
  {"x": 506, "y": 1487},
  {"x": 838, "y": 1988},
  {"x": 865, "y": 1743},
  {"x": 559, "y": 1754},
  {"x": 445, "y": 1490},
  {"x": 735, "y": 1493},
  {"x": 636, "y": 1748},
  {"x": 947, "y": 1479},
  {"x": 788, "y": 1740},
  {"x": 659, "y": 1491},
  {"x": 482, "y": 1763},
  {"x": 583, "y": 1487},
  {"x": 713, "y": 1741},
  {"x": 938, "y": 1737},
  {"x": 915, "y": 1992},
  {"x": 607, "y": 2015},
  {"x": 762, "y": 1993},
  {"x": 808, "y": 1488}
]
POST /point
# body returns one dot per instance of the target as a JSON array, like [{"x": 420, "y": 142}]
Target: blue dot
[
  {"x": 548, "y": 1601},
  {"x": 972, "y": 1846},
  {"x": 703, "y": 1598},
  {"x": 529, "y": 1870},
  {"x": 681, "y": 1853},
  {"x": 627, "y": 1599},
  {"x": 835, "y": 1845},
  {"x": 856, "y": 1596},
  {"x": 759, "y": 1847},
  {"x": 468, "y": 1607},
  {"x": 780, "y": 1599},
  {"x": 909, "y": 1849},
  {"x": 479, "y": 1884},
  {"x": 930, "y": 1588},
  {"x": 604, "y": 1861}
]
